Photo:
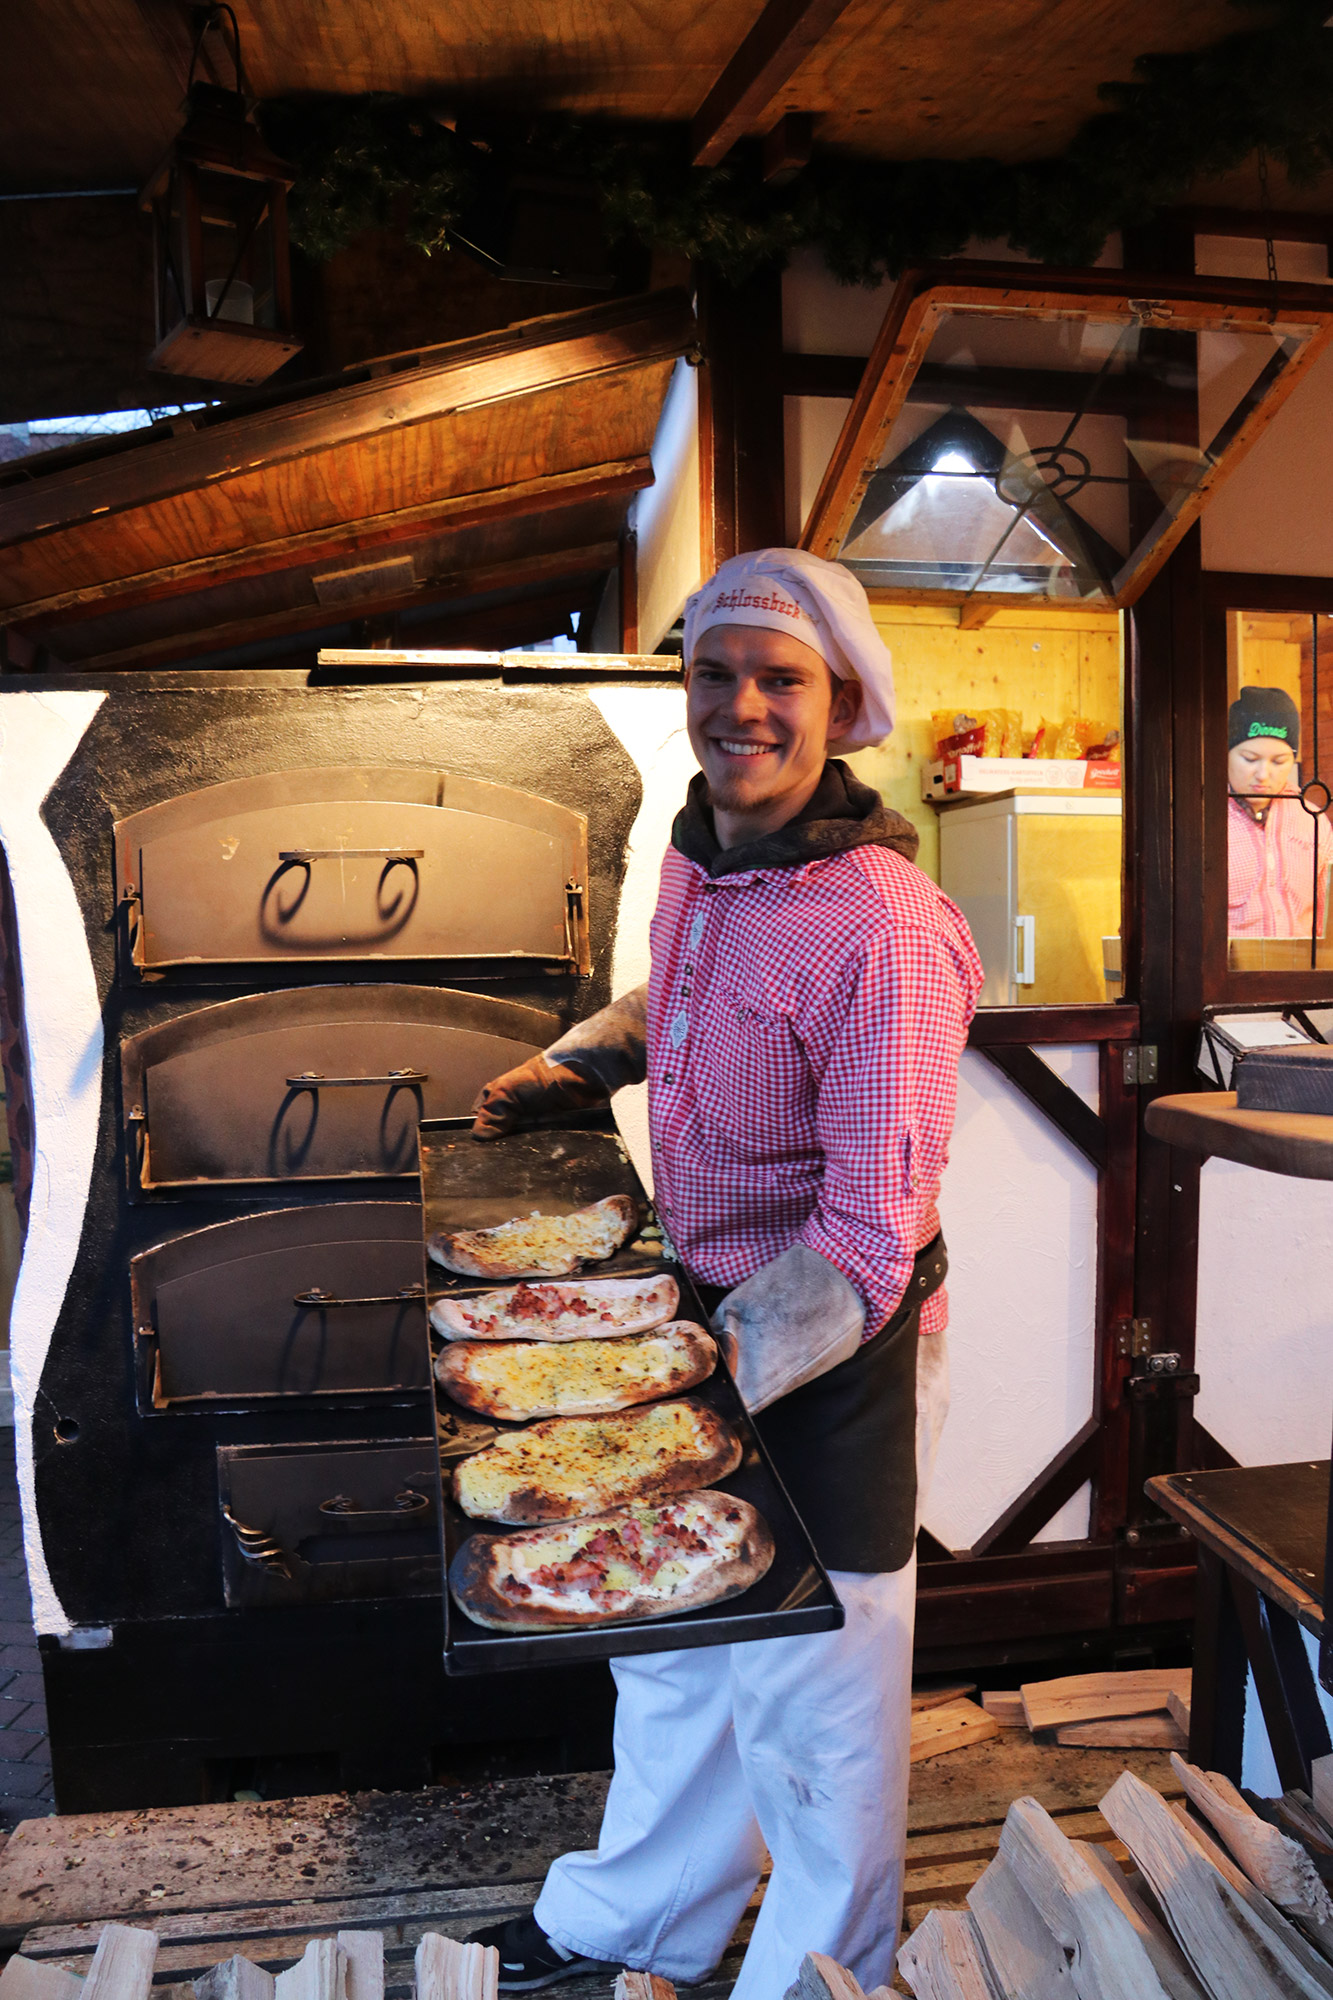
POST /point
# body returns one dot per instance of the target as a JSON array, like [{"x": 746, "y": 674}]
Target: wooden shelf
[{"x": 1281, "y": 1142}]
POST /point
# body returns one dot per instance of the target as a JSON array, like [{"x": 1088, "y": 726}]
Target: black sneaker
[{"x": 529, "y": 1959}]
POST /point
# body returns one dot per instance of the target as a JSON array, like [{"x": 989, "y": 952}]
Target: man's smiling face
[{"x": 760, "y": 709}]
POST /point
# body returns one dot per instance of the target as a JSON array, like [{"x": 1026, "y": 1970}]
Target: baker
[{"x": 800, "y": 1033}]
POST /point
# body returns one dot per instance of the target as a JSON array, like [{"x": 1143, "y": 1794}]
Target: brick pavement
[{"x": 25, "y": 1760}]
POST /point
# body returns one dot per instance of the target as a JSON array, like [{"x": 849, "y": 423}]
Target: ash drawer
[{"x": 321, "y": 1523}]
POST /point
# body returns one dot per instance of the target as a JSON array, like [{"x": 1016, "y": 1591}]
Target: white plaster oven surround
[{"x": 39, "y": 733}]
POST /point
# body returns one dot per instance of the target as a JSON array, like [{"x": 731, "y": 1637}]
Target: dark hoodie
[{"x": 842, "y": 814}]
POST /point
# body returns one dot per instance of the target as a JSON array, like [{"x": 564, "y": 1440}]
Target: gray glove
[
  {"x": 610, "y": 1047},
  {"x": 794, "y": 1319},
  {"x": 581, "y": 1069}
]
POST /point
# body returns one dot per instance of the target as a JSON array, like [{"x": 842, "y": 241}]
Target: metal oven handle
[
  {"x": 305, "y": 854},
  {"x": 316, "y": 1297},
  {"x": 314, "y": 1079}
]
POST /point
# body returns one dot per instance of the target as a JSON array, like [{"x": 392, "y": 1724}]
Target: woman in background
[{"x": 1278, "y": 854}]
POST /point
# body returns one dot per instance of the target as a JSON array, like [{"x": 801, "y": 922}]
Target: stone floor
[{"x": 25, "y": 1760}]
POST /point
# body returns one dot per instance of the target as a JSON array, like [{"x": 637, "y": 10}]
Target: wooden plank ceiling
[
  {"x": 500, "y": 466},
  {"x": 90, "y": 89}
]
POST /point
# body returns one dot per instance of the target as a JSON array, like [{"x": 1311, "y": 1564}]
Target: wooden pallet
[{"x": 263, "y": 1879}]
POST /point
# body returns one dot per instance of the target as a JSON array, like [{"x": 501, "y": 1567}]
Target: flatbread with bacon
[
  {"x": 537, "y": 1245},
  {"x": 597, "y": 1308},
  {"x": 634, "y": 1563},
  {"x": 568, "y": 1467}
]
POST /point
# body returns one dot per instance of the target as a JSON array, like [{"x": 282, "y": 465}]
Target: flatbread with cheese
[
  {"x": 516, "y": 1380},
  {"x": 537, "y": 1245},
  {"x": 635, "y": 1563},
  {"x": 568, "y": 1467},
  {"x": 598, "y": 1308}
]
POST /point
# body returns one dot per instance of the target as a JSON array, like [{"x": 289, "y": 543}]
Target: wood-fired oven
[{"x": 316, "y": 915}]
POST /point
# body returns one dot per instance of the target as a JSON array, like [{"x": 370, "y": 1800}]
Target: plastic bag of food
[
  {"x": 1076, "y": 734},
  {"x": 949, "y": 723}
]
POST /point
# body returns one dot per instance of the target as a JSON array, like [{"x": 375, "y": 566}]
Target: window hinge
[
  {"x": 1133, "y": 1337},
  {"x": 1140, "y": 1064}
]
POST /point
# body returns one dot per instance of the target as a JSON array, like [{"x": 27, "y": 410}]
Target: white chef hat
[{"x": 818, "y": 602}]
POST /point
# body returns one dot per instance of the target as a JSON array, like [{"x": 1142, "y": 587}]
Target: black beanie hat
[{"x": 1261, "y": 711}]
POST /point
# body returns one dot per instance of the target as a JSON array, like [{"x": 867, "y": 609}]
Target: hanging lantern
[{"x": 222, "y": 273}]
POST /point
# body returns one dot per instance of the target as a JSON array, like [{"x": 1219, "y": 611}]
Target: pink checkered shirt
[
  {"x": 1271, "y": 870},
  {"x": 804, "y": 1030}
]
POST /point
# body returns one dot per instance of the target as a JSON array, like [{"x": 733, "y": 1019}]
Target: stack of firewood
[
  {"x": 1146, "y": 1709},
  {"x": 349, "y": 1966},
  {"x": 1220, "y": 1904}
]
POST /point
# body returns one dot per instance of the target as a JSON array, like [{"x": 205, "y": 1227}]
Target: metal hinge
[
  {"x": 1133, "y": 1337},
  {"x": 1140, "y": 1064}
]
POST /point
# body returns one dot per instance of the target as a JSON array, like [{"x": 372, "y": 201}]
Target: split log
[
  {"x": 363, "y": 1956},
  {"x": 936, "y": 1697},
  {"x": 1107, "y": 1959},
  {"x": 1125, "y": 1732},
  {"x": 1167, "y": 1960},
  {"x": 1321, "y": 1787},
  {"x": 1266, "y": 1914},
  {"x": 1027, "y": 1962},
  {"x": 1236, "y": 1954},
  {"x": 237, "y": 1978},
  {"x": 646, "y": 1986},
  {"x": 28, "y": 1979},
  {"x": 1294, "y": 1814},
  {"x": 122, "y": 1967},
  {"x": 320, "y": 1974},
  {"x": 1006, "y": 1705},
  {"x": 953, "y": 1727},
  {"x": 820, "y": 1978},
  {"x": 447, "y": 1970},
  {"x": 944, "y": 1959},
  {"x": 1178, "y": 1708},
  {"x": 1279, "y": 1867},
  {"x": 1100, "y": 1697}
]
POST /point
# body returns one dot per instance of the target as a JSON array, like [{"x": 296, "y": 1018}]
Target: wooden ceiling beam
[
  {"x": 468, "y": 510},
  {"x": 521, "y": 360},
  {"x": 766, "y": 60},
  {"x": 571, "y": 566},
  {"x": 988, "y": 388}
]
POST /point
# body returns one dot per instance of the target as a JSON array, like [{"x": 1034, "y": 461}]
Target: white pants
[{"x": 798, "y": 1745}]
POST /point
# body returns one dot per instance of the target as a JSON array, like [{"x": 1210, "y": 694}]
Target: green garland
[{"x": 388, "y": 161}]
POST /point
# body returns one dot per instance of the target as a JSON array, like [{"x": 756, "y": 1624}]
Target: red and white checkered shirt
[
  {"x": 804, "y": 1030},
  {"x": 1271, "y": 870}
]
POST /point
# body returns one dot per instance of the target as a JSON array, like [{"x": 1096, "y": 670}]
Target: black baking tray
[{"x": 470, "y": 1184}]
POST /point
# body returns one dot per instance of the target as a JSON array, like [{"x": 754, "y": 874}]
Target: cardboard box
[{"x": 973, "y": 777}]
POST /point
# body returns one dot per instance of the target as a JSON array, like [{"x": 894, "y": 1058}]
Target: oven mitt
[
  {"x": 793, "y": 1320},
  {"x": 582, "y": 1068}
]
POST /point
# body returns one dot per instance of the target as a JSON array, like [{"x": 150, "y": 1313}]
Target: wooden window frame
[
  {"x": 1224, "y": 591},
  {"x": 924, "y": 296}
]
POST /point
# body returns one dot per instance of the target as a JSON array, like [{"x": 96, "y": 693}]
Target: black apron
[{"x": 844, "y": 1445}]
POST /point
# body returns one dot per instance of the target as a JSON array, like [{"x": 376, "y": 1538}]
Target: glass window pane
[
  {"x": 1279, "y": 767},
  {"x": 1046, "y": 457}
]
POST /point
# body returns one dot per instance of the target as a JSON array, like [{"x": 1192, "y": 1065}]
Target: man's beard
[{"x": 735, "y": 796}]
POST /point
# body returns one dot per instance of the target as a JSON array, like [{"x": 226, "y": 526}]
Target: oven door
[
  {"x": 353, "y": 863},
  {"x": 315, "y": 1083},
  {"x": 301, "y": 1305}
]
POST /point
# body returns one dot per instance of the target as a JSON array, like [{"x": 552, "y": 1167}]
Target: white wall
[
  {"x": 39, "y": 733},
  {"x": 1264, "y": 1339},
  {"x": 666, "y": 516},
  {"x": 1019, "y": 1209},
  {"x": 1275, "y": 512}
]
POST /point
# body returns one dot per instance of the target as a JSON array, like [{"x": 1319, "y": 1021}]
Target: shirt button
[{"x": 668, "y": 1078}]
